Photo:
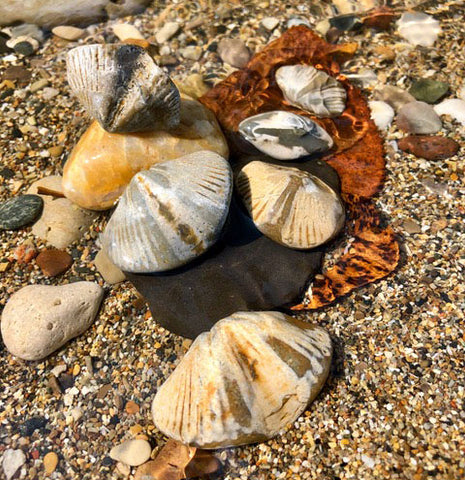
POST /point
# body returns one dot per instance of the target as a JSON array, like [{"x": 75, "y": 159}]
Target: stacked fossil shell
[{"x": 254, "y": 372}]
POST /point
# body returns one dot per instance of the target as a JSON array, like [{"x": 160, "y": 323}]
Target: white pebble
[
  {"x": 270, "y": 23},
  {"x": 13, "y": 460},
  {"x": 381, "y": 113},
  {"x": 455, "y": 107},
  {"x": 166, "y": 32},
  {"x": 418, "y": 28},
  {"x": 125, "y": 31},
  {"x": 132, "y": 452},
  {"x": 67, "y": 32}
]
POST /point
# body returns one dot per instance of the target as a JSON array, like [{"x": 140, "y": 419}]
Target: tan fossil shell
[
  {"x": 311, "y": 90},
  {"x": 170, "y": 214},
  {"x": 290, "y": 206},
  {"x": 123, "y": 88},
  {"x": 243, "y": 381}
]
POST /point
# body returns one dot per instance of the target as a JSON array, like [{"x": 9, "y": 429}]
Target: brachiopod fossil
[
  {"x": 170, "y": 214},
  {"x": 290, "y": 206},
  {"x": 243, "y": 381},
  {"x": 311, "y": 90},
  {"x": 284, "y": 135},
  {"x": 123, "y": 88}
]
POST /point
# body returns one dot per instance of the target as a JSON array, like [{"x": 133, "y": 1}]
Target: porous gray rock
[{"x": 39, "y": 319}]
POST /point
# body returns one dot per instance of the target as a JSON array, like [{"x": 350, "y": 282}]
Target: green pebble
[
  {"x": 19, "y": 211},
  {"x": 428, "y": 90}
]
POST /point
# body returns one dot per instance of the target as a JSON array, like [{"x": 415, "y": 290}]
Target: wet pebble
[
  {"x": 54, "y": 262},
  {"x": 428, "y": 90},
  {"x": 19, "y": 211},
  {"x": 233, "y": 52},
  {"x": 429, "y": 147},
  {"x": 13, "y": 460},
  {"x": 418, "y": 117},
  {"x": 132, "y": 452}
]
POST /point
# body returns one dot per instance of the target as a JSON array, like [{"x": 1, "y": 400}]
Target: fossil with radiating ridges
[
  {"x": 290, "y": 206},
  {"x": 311, "y": 90},
  {"x": 243, "y": 381},
  {"x": 170, "y": 214},
  {"x": 123, "y": 88},
  {"x": 285, "y": 135}
]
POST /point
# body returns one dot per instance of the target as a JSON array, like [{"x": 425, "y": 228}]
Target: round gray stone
[{"x": 17, "y": 212}]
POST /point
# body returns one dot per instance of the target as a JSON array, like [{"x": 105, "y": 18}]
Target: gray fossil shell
[
  {"x": 311, "y": 90},
  {"x": 243, "y": 381},
  {"x": 170, "y": 214},
  {"x": 123, "y": 88},
  {"x": 285, "y": 135},
  {"x": 290, "y": 206}
]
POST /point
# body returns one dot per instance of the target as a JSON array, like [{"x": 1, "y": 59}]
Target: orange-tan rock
[{"x": 103, "y": 163}]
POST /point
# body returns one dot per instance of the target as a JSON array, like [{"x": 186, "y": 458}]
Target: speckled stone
[{"x": 19, "y": 211}]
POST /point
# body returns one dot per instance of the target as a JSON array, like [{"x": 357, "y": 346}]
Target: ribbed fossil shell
[
  {"x": 284, "y": 135},
  {"x": 170, "y": 214},
  {"x": 243, "y": 381},
  {"x": 290, "y": 206},
  {"x": 311, "y": 90},
  {"x": 123, "y": 88}
]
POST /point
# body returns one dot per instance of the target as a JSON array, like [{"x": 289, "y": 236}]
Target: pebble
[
  {"x": 270, "y": 23},
  {"x": 125, "y": 31},
  {"x": 429, "y": 147},
  {"x": 381, "y": 113},
  {"x": 428, "y": 90},
  {"x": 39, "y": 319},
  {"x": 109, "y": 271},
  {"x": 36, "y": 86},
  {"x": 418, "y": 117},
  {"x": 168, "y": 30},
  {"x": 132, "y": 452},
  {"x": 62, "y": 222},
  {"x": 193, "y": 85},
  {"x": 25, "y": 252},
  {"x": 68, "y": 32},
  {"x": 453, "y": 107},
  {"x": 56, "y": 151},
  {"x": 411, "y": 226},
  {"x": 394, "y": 96},
  {"x": 50, "y": 462},
  {"x": 54, "y": 262},
  {"x": 48, "y": 93},
  {"x": 13, "y": 460},
  {"x": 19, "y": 211},
  {"x": 418, "y": 28},
  {"x": 131, "y": 407},
  {"x": 233, "y": 52},
  {"x": 23, "y": 45},
  {"x": 32, "y": 424},
  {"x": 192, "y": 52}
]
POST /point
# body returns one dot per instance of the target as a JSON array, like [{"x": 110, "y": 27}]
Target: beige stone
[
  {"x": 244, "y": 381},
  {"x": 109, "y": 271},
  {"x": 103, "y": 163},
  {"x": 132, "y": 452},
  {"x": 62, "y": 222},
  {"x": 39, "y": 319}
]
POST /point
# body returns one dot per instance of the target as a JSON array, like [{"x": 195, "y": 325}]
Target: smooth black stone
[
  {"x": 346, "y": 22},
  {"x": 243, "y": 271},
  {"x": 19, "y": 211},
  {"x": 31, "y": 425}
]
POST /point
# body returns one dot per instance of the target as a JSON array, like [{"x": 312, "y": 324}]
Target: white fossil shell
[
  {"x": 284, "y": 135},
  {"x": 243, "y": 381},
  {"x": 123, "y": 88},
  {"x": 290, "y": 206},
  {"x": 381, "y": 113},
  {"x": 311, "y": 90},
  {"x": 418, "y": 28},
  {"x": 170, "y": 214}
]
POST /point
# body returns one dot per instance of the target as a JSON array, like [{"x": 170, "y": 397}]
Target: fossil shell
[
  {"x": 170, "y": 214},
  {"x": 123, "y": 88},
  {"x": 419, "y": 28},
  {"x": 290, "y": 206},
  {"x": 311, "y": 90},
  {"x": 284, "y": 135},
  {"x": 243, "y": 381}
]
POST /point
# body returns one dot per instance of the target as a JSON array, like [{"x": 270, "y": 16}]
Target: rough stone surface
[
  {"x": 62, "y": 12},
  {"x": 243, "y": 271},
  {"x": 62, "y": 222},
  {"x": 54, "y": 262},
  {"x": 233, "y": 52},
  {"x": 428, "y": 90},
  {"x": 132, "y": 452},
  {"x": 125, "y": 155},
  {"x": 259, "y": 372},
  {"x": 39, "y": 319},
  {"x": 109, "y": 271},
  {"x": 17, "y": 212},
  {"x": 418, "y": 117},
  {"x": 429, "y": 147}
]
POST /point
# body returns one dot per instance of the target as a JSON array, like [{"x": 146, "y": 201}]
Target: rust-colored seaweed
[{"x": 357, "y": 156}]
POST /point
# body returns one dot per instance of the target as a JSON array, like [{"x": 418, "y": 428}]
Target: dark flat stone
[
  {"x": 428, "y": 90},
  {"x": 19, "y": 211},
  {"x": 243, "y": 271}
]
